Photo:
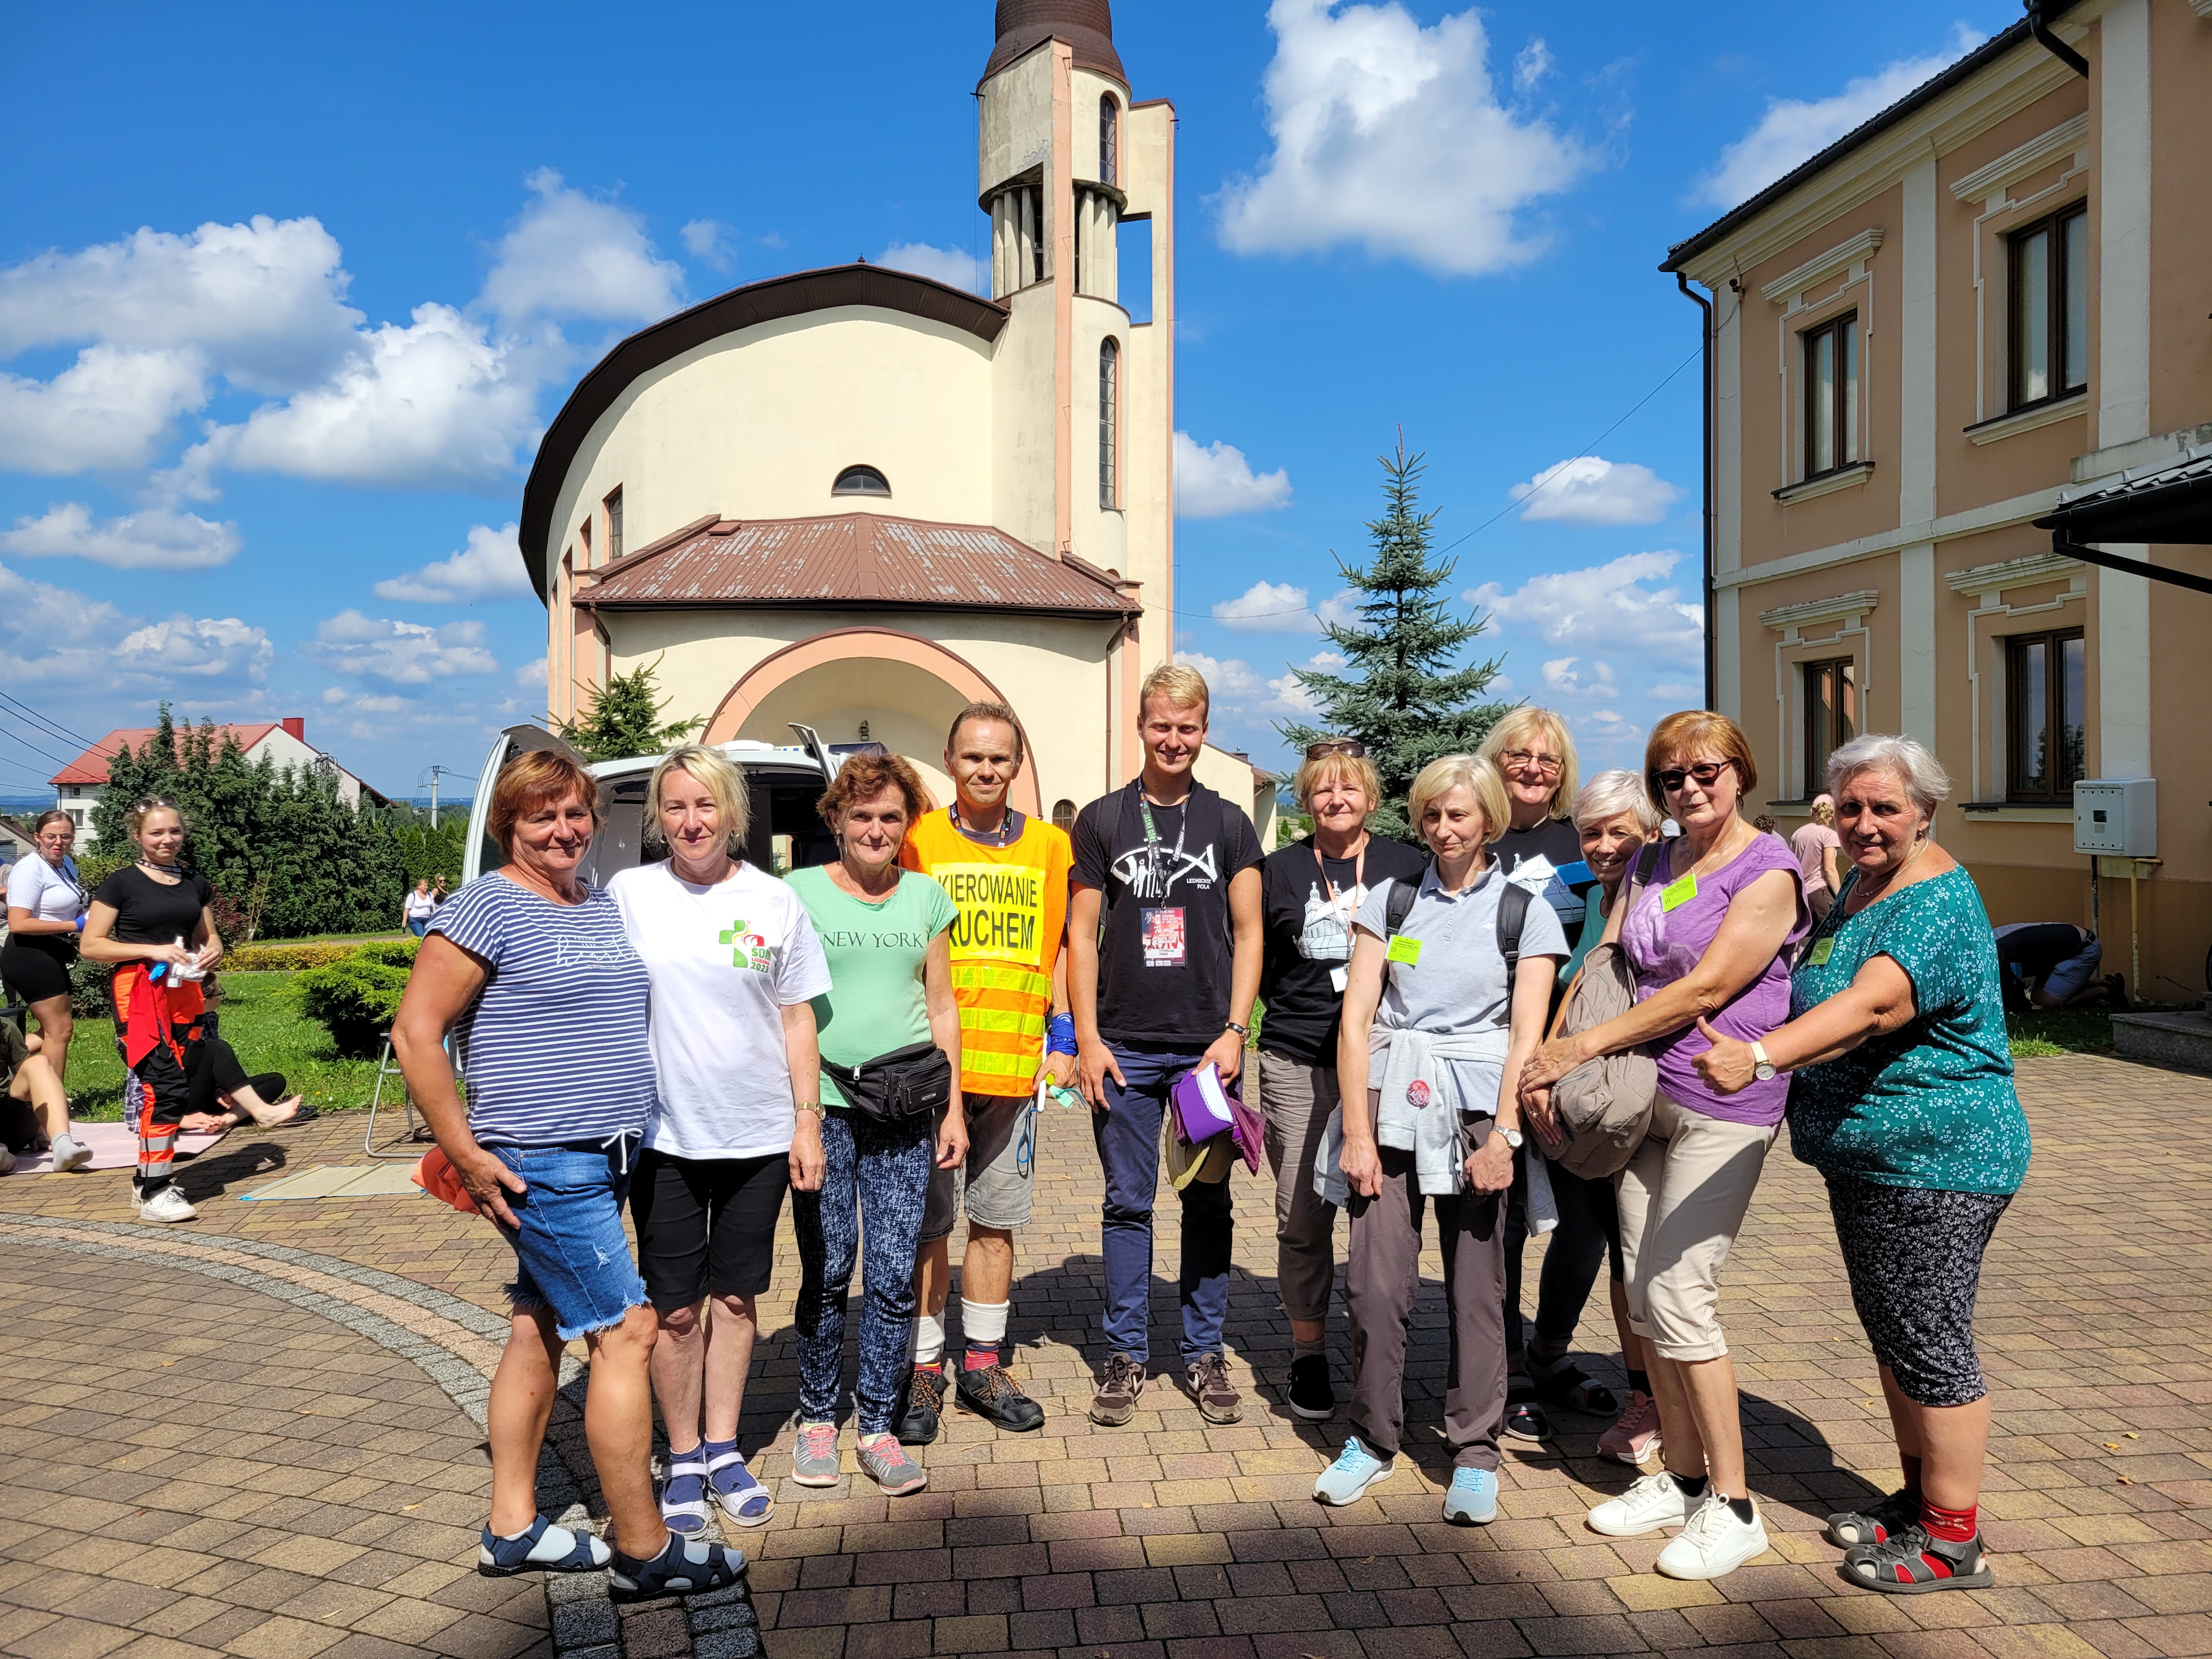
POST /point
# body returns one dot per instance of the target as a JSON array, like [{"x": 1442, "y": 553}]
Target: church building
[{"x": 859, "y": 499}]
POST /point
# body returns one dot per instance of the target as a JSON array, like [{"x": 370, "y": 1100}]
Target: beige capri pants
[{"x": 1683, "y": 1197}]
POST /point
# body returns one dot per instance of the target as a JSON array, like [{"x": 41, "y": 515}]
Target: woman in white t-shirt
[
  {"x": 734, "y": 961},
  {"x": 417, "y": 908},
  {"x": 46, "y": 915}
]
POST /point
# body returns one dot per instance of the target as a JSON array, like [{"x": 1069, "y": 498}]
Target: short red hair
[
  {"x": 863, "y": 777},
  {"x": 543, "y": 777},
  {"x": 1674, "y": 739}
]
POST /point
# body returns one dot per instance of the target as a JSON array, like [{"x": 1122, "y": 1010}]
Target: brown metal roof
[
  {"x": 852, "y": 560},
  {"x": 1087, "y": 26}
]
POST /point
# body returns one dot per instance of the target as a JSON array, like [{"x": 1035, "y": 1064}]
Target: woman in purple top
[{"x": 1710, "y": 936}]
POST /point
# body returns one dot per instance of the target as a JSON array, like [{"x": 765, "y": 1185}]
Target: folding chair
[{"x": 415, "y": 1133}]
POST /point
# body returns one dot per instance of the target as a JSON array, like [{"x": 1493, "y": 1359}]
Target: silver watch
[
  {"x": 1513, "y": 1137},
  {"x": 1761, "y": 1066}
]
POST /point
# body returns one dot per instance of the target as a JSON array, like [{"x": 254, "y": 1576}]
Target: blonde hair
[
  {"x": 1338, "y": 768},
  {"x": 712, "y": 769},
  {"x": 1676, "y": 736},
  {"x": 1514, "y": 730},
  {"x": 1481, "y": 779},
  {"x": 1824, "y": 810},
  {"x": 1180, "y": 684},
  {"x": 1609, "y": 794},
  {"x": 135, "y": 819}
]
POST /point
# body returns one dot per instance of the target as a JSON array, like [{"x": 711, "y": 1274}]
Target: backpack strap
[
  {"x": 1397, "y": 907},
  {"x": 1512, "y": 914}
]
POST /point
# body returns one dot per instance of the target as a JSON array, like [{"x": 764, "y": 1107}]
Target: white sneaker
[
  {"x": 167, "y": 1205},
  {"x": 1652, "y": 1502},
  {"x": 1713, "y": 1544}
]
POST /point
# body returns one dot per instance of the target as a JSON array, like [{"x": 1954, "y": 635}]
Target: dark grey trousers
[{"x": 1382, "y": 1275}]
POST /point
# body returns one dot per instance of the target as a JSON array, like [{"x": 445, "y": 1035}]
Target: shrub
[
  {"x": 356, "y": 999},
  {"x": 284, "y": 958},
  {"x": 88, "y": 989}
]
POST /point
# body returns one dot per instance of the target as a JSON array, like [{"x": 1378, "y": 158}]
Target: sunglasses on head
[
  {"x": 1349, "y": 747},
  {"x": 1705, "y": 773}
]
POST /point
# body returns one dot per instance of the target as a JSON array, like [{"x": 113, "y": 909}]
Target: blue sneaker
[
  {"x": 1473, "y": 1499},
  {"x": 1356, "y": 1469}
]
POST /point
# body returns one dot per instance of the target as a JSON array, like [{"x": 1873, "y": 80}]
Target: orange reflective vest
[{"x": 1012, "y": 905}]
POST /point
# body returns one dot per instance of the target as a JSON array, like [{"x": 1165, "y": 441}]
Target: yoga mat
[
  {"x": 114, "y": 1146},
  {"x": 339, "y": 1181}
]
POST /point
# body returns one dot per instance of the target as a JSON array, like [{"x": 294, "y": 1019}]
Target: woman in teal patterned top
[{"x": 1902, "y": 1097}]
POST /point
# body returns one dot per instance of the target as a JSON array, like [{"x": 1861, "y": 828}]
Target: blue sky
[{"x": 284, "y": 307}]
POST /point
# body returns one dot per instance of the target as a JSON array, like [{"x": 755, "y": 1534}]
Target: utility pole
[{"x": 433, "y": 774}]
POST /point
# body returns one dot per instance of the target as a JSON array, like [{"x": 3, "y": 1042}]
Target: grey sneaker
[
  {"x": 888, "y": 1464},
  {"x": 814, "y": 1456},
  {"x": 1116, "y": 1402},
  {"x": 1217, "y": 1397}
]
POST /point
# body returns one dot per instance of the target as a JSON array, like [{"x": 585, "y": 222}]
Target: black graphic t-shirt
[
  {"x": 1164, "y": 939},
  {"x": 1310, "y": 939}
]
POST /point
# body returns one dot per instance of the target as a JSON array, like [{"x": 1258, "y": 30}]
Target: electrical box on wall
[{"x": 2116, "y": 816}]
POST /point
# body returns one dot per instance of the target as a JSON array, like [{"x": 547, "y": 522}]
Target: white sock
[
  {"x": 927, "y": 1344},
  {"x": 983, "y": 1324}
]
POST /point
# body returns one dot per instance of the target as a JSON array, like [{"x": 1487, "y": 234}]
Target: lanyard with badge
[
  {"x": 1339, "y": 974},
  {"x": 1161, "y": 926}
]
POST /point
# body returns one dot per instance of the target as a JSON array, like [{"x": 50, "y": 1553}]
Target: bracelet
[
  {"x": 1232, "y": 1025},
  {"x": 812, "y": 1106},
  {"x": 1059, "y": 1034}
]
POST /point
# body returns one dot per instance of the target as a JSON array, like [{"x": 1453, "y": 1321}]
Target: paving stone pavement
[{"x": 1169, "y": 1539}]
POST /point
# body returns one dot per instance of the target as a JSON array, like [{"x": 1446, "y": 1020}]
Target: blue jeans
[
  {"x": 420, "y": 928},
  {"x": 875, "y": 1180},
  {"x": 1128, "y": 1140},
  {"x": 570, "y": 1254}
]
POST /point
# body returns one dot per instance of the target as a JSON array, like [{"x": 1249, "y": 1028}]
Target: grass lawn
[{"x": 260, "y": 1020}]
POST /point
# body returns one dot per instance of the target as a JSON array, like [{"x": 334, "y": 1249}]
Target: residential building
[
  {"x": 859, "y": 499},
  {"x": 1985, "y": 307},
  {"x": 78, "y": 785}
]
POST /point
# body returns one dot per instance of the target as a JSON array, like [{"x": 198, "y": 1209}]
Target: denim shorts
[{"x": 570, "y": 1253}]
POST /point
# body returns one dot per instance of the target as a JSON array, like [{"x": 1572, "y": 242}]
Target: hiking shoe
[
  {"x": 1911, "y": 1562},
  {"x": 1652, "y": 1502},
  {"x": 170, "y": 1204},
  {"x": 1116, "y": 1402},
  {"x": 1714, "y": 1542},
  {"x": 1634, "y": 1437},
  {"x": 1472, "y": 1500},
  {"x": 684, "y": 1566},
  {"x": 1877, "y": 1524},
  {"x": 922, "y": 1410},
  {"x": 1207, "y": 1376},
  {"x": 1356, "y": 1469},
  {"x": 541, "y": 1547},
  {"x": 814, "y": 1460},
  {"x": 992, "y": 1395},
  {"x": 1311, "y": 1395},
  {"x": 887, "y": 1464}
]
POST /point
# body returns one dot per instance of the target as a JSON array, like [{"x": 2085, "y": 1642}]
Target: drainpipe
[
  {"x": 1713, "y": 642},
  {"x": 2056, "y": 47}
]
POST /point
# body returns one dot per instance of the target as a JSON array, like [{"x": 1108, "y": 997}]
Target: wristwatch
[
  {"x": 1232, "y": 1025},
  {"x": 1762, "y": 1068},
  {"x": 1512, "y": 1137},
  {"x": 813, "y": 1106}
]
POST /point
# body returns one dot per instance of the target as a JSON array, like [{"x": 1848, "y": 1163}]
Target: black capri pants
[
  {"x": 705, "y": 1225},
  {"x": 1914, "y": 1254}
]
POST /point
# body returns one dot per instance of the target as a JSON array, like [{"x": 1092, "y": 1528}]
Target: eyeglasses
[
  {"x": 1704, "y": 773},
  {"x": 1519, "y": 759},
  {"x": 1352, "y": 748}
]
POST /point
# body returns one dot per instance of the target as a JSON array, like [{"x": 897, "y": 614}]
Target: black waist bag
[{"x": 903, "y": 1086}]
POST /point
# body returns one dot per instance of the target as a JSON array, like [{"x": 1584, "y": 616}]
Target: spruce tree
[
  {"x": 1400, "y": 693},
  {"x": 624, "y": 719}
]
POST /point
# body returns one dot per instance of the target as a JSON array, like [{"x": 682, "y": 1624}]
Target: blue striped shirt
[{"x": 554, "y": 1047}]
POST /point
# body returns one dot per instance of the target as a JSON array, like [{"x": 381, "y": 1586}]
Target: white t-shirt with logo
[{"x": 725, "y": 960}]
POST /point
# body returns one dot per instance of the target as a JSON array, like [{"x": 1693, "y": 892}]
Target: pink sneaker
[{"x": 1634, "y": 1436}]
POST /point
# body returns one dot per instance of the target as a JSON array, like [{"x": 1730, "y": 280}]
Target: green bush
[
  {"x": 355, "y": 1000},
  {"x": 88, "y": 989}
]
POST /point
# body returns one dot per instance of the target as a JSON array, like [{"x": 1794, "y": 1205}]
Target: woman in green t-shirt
[
  {"x": 884, "y": 932},
  {"x": 1902, "y": 1099}
]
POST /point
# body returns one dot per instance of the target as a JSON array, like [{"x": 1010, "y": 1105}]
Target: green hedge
[{"x": 357, "y": 996}]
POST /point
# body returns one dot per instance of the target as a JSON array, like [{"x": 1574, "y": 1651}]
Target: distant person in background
[
  {"x": 30, "y": 1080},
  {"x": 2053, "y": 964},
  {"x": 417, "y": 908},
  {"x": 45, "y": 913},
  {"x": 438, "y": 893},
  {"x": 1767, "y": 825},
  {"x": 1820, "y": 864}
]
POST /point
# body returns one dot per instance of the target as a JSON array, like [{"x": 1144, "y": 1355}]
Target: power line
[
  {"x": 49, "y": 723},
  {"x": 58, "y": 760}
]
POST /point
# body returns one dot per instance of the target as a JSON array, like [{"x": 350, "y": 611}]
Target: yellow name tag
[
  {"x": 1405, "y": 949},
  {"x": 1821, "y": 950},
  {"x": 1676, "y": 894}
]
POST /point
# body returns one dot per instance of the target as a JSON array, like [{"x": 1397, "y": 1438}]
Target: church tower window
[
  {"x": 1110, "y": 400},
  {"x": 1109, "y": 123},
  {"x": 861, "y": 481}
]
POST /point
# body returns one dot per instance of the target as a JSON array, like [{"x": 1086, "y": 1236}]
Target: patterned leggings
[
  {"x": 875, "y": 1180},
  {"x": 1914, "y": 1254}
]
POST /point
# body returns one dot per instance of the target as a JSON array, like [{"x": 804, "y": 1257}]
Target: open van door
[
  {"x": 481, "y": 854},
  {"x": 811, "y": 742}
]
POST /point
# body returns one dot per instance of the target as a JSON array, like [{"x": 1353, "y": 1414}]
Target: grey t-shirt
[{"x": 1458, "y": 984}]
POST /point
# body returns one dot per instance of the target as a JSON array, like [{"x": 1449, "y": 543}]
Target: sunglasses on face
[
  {"x": 1705, "y": 774},
  {"x": 1350, "y": 747},
  {"x": 1521, "y": 759}
]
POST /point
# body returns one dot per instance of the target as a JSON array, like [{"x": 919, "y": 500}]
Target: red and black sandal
[
  {"x": 1909, "y": 1562},
  {"x": 1876, "y": 1524}
]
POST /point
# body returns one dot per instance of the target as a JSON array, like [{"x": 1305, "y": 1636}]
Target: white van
[{"x": 784, "y": 781}]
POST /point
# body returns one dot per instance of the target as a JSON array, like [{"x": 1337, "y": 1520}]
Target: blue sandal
[
  {"x": 741, "y": 1498},
  {"x": 543, "y": 1548},
  {"x": 685, "y": 1566},
  {"x": 683, "y": 1493}
]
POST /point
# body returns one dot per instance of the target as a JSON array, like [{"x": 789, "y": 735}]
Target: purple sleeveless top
[{"x": 1662, "y": 946}]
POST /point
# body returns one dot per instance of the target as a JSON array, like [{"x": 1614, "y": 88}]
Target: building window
[
  {"x": 2051, "y": 307},
  {"x": 861, "y": 481},
  {"x": 1110, "y": 135},
  {"x": 1832, "y": 395},
  {"x": 1832, "y": 716},
  {"x": 614, "y": 526},
  {"x": 2048, "y": 674},
  {"x": 1110, "y": 397},
  {"x": 1063, "y": 815}
]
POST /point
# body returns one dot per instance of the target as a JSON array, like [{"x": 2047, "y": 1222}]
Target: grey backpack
[{"x": 1604, "y": 1108}]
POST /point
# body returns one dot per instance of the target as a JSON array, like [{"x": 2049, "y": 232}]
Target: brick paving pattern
[{"x": 1172, "y": 1539}]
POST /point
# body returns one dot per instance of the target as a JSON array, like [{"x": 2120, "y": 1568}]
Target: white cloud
[
  {"x": 1341, "y": 609},
  {"x": 1530, "y": 68},
  {"x": 1606, "y": 607},
  {"x": 1591, "y": 490},
  {"x": 155, "y": 539},
  {"x": 108, "y": 410},
  {"x": 1794, "y": 129},
  {"x": 1563, "y": 678},
  {"x": 953, "y": 266},
  {"x": 1214, "y": 481},
  {"x": 380, "y": 705},
  {"x": 1391, "y": 136},
  {"x": 489, "y": 568},
  {"x": 531, "y": 672},
  {"x": 1268, "y": 607},
  {"x": 204, "y": 647},
  {"x": 708, "y": 240},
  {"x": 570, "y": 255},
  {"x": 334, "y": 694},
  {"x": 399, "y": 653},
  {"x": 1243, "y": 693}
]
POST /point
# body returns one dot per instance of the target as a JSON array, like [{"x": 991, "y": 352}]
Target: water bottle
[{"x": 188, "y": 970}]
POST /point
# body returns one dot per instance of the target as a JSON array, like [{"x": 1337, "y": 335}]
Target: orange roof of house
[{"x": 91, "y": 767}]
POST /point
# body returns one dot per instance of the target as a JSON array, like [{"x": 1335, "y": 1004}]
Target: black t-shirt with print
[
  {"x": 1309, "y": 937},
  {"x": 1558, "y": 840},
  {"x": 1164, "y": 949},
  {"x": 151, "y": 912}
]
